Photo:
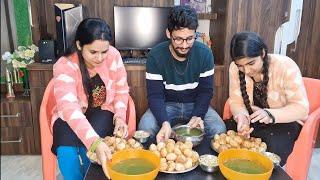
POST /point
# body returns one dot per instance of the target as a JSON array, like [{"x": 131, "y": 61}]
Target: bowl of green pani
[
  {"x": 244, "y": 164},
  {"x": 208, "y": 163},
  {"x": 133, "y": 164},
  {"x": 186, "y": 133}
]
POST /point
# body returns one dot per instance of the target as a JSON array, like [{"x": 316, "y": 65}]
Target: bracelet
[
  {"x": 271, "y": 116},
  {"x": 236, "y": 116},
  {"x": 114, "y": 119},
  {"x": 95, "y": 144}
]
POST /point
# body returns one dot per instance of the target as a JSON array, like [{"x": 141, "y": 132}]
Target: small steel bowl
[
  {"x": 141, "y": 136},
  {"x": 273, "y": 157},
  {"x": 209, "y": 157},
  {"x": 196, "y": 140}
]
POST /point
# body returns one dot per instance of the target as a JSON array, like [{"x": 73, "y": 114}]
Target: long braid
[
  {"x": 265, "y": 72},
  {"x": 244, "y": 93},
  {"x": 85, "y": 77}
]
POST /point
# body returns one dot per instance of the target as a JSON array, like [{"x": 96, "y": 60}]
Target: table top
[{"x": 95, "y": 171}]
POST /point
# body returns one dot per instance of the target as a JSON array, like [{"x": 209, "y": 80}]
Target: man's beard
[{"x": 179, "y": 54}]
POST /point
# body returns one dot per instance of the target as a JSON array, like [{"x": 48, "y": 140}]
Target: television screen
[{"x": 140, "y": 27}]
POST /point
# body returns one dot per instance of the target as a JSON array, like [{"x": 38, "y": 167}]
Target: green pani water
[
  {"x": 186, "y": 132},
  {"x": 133, "y": 166},
  {"x": 245, "y": 166}
]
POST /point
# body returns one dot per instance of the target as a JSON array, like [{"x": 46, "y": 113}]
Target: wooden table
[{"x": 95, "y": 171}]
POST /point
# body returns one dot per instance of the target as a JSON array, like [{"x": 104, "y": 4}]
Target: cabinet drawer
[
  {"x": 17, "y": 140},
  {"x": 16, "y": 113}
]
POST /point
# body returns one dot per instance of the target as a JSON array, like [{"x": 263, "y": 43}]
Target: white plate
[{"x": 184, "y": 171}]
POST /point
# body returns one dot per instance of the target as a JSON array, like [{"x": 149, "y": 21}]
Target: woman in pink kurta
[
  {"x": 266, "y": 93},
  {"x": 91, "y": 91}
]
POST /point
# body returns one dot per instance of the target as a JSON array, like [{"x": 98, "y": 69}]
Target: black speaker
[{"x": 46, "y": 51}]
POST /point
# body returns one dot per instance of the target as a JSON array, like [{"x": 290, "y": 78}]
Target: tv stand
[
  {"x": 135, "y": 60},
  {"x": 134, "y": 56}
]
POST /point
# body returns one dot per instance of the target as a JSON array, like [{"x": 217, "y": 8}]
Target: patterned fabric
[
  {"x": 71, "y": 98},
  {"x": 257, "y": 94},
  {"x": 169, "y": 80},
  {"x": 286, "y": 92},
  {"x": 98, "y": 91}
]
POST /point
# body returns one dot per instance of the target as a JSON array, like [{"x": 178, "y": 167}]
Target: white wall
[{"x": 5, "y": 46}]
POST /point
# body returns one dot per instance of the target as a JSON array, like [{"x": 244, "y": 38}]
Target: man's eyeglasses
[{"x": 180, "y": 41}]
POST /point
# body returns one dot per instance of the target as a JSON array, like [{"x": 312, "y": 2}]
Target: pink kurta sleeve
[
  {"x": 68, "y": 106},
  {"x": 297, "y": 105},
  {"x": 121, "y": 89}
]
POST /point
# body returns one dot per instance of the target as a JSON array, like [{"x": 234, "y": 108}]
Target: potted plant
[{"x": 17, "y": 62}]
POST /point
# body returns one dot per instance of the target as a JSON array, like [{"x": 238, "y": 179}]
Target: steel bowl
[
  {"x": 209, "y": 167},
  {"x": 273, "y": 157},
  {"x": 142, "y": 139},
  {"x": 196, "y": 139}
]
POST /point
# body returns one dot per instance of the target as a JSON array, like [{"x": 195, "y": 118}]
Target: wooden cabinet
[
  {"x": 39, "y": 77},
  {"x": 17, "y": 130},
  {"x": 137, "y": 82}
]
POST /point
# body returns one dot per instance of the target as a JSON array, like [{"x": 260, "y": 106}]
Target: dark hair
[
  {"x": 89, "y": 30},
  {"x": 250, "y": 44},
  {"x": 182, "y": 17}
]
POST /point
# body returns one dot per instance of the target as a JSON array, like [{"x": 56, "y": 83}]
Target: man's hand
[
  {"x": 260, "y": 115},
  {"x": 196, "y": 122},
  {"x": 243, "y": 124},
  {"x": 120, "y": 128},
  {"x": 164, "y": 132}
]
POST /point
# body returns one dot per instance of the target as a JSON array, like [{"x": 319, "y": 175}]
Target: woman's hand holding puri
[{"x": 120, "y": 128}]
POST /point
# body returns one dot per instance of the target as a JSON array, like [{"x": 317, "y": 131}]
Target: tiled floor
[
  {"x": 314, "y": 170},
  {"x": 29, "y": 167},
  {"x": 22, "y": 167}
]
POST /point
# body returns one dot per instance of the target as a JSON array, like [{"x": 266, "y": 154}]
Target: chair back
[
  {"x": 313, "y": 92},
  {"x": 298, "y": 162},
  {"x": 49, "y": 163},
  {"x": 226, "y": 111}
]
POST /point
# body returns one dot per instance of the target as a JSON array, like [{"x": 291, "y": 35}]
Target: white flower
[
  {"x": 6, "y": 56},
  {"x": 34, "y": 48},
  {"x": 22, "y": 56},
  {"x": 29, "y": 53},
  {"x": 18, "y": 64},
  {"x": 21, "y": 48}
]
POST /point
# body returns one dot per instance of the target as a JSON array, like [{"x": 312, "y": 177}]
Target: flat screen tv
[{"x": 139, "y": 27}]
